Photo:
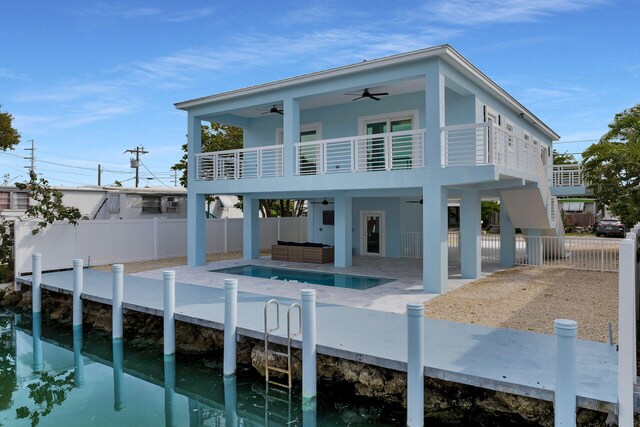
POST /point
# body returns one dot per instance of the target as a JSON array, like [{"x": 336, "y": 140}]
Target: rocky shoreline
[{"x": 444, "y": 400}]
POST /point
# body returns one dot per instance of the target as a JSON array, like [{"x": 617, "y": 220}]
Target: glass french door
[
  {"x": 373, "y": 233},
  {"x": 401, "y": 145}
]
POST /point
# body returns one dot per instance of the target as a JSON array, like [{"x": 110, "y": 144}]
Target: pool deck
[{"x": 521, "y": 363}]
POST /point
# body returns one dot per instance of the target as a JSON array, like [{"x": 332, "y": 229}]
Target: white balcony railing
[
  {"x": 259, "y": 162},
  {"x": 365, "y": 153},
  {"x": 566, "y": 175},
  {"x": 483, "y": 143}
]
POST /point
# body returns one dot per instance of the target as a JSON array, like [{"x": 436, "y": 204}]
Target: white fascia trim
[{"x": 445, "y": 51}]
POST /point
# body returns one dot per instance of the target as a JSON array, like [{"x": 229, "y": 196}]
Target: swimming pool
[{"x": 301, "y": 276}]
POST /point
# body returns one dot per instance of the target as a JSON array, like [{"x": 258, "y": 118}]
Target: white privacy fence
[
  {"x": 578, "y": 253},
  {"x": 116, "y": 241}
]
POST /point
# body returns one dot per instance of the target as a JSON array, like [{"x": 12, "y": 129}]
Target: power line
[{"x": 161, "y": 182}]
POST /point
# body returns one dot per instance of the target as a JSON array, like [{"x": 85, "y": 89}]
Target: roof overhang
[{"x": 445, "y": 52}]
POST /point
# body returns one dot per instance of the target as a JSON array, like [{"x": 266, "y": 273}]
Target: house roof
[{"x": 445, "y": 52}]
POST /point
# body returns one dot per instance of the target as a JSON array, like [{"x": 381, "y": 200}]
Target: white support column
[
  {"x": 196, "y": 238},
  {"x": 78, "y": 265},
  {"x": 470, "y": 237},
  {"x": 169, "y": 313},
  {"x": 250, "y": 228},
  {"x": 117, "y": 302},
  {"x": 231, "y": 400},
  {"x": 78, "y": 361},
  {"x": 564, "y": 402},
  {"x": 435, "y": 271},
  {"x": 535, "y": 248},
  {"x": 435, "y": 114},
  {"x": 311, "y": 212},
  {"x": 230, "y": 325},
  {"x": 170, "y": 401},
  {"x": 119, "y": 398},
  {"x": 36, "y": 279},
  {"x": 17, "y": 238},
  {"x": 36, "y": 326},
  {"x": 626, "y": 330},
  {"x": 415, "y": 365},
  {"x": 507, "y": 238},
  {"x": 343, "y": 231},
  {"x": 291, "y": 134},
  {"x": 308, "y": 346}
]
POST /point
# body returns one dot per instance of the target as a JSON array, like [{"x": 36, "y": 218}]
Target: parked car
[{"x": 610, "y": 227}]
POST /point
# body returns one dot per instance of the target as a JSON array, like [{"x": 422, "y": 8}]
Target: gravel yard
[{"x": 530, "y": 298}]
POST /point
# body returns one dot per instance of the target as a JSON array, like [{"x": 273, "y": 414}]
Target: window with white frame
[
  {"x": 20, "y": 201},
  {"x": 308, "y": 132},
  {"x": 5, "y": 200}
]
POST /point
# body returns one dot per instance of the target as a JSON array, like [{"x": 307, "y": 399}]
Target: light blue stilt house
[{"x": 379, "y": 148}]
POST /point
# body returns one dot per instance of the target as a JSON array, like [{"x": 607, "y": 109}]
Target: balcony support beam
[
  {"x": 435, "y": 239},
  {"x": 250, "y": 227},
  {"x": 343, "y": 231},
  {"x": 507, "y": 238},
  {"x": 435, "y": 110},
  {"x": 196, "y": 240},
  {"x": 470, "y": 245},
  {"x": 291, "y": 131}
]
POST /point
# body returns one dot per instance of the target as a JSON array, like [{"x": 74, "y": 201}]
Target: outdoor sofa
[{"x": 315, "y": 253}]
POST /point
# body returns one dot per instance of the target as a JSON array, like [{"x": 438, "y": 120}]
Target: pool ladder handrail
[{"x": 268, "y": 331}]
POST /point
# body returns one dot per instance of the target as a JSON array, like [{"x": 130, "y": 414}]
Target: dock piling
[
  {"x": 169, "y": 313},
  {"x": 230, "y": 400},
  {"x": 230, "y": 325},
  {"x": 170, "y": 400},
  {"x": 415, "y": 365},
  {"x": 308, "y": 344},
  {"x": 36, "y": 279},
  {"x": 118, "y": 283},
  {"x": 36, "y": 325},
  {"x": 119, "y": 399},
  {"x": 78, "y": 265},
  {"x": 78, "y": 361},
  {"x": 565, "y": 394}
]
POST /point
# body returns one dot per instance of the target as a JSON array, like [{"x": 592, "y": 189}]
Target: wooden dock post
[
  {"x": 564, "y": 402},
  {"x": 117, "y": 308},
  {"x": 169, "y": 313},
  {"x": 78, "y": 284},
  {"x": 230, "y": 325},
  {"x": 415, "y": 364},
  {"x": 308, "y": 344}
]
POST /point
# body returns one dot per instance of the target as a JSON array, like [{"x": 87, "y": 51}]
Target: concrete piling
[
  {"x": 78, "y": 265},
  {"x": 308, "y": 344},
  {"x": 119, "y": 402},
  {"x": 565, "y": 394},
  {"x": 230, "y": 401},
  {"x": 36, "y": 279},
  {"x": 78, "y": 361},
  {"x": 118, "y": 291},
  {"x": 415, "y": 365},
  {"x": 169, "y": 314},
  {"x": 230, "y": 325},
  {"x": 170, "y": 404}
]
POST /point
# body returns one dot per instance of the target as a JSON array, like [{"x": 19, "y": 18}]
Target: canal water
[{"x": 51, "y": 375}]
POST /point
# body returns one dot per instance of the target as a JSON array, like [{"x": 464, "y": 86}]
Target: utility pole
[
  {"x": 175, "y": 177},
  {"x": 99, "y": 175},
  {"x": 32, "y": 157},
  {"x": 135, "y": 163}
]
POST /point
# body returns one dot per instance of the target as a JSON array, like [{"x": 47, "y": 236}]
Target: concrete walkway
[{"x": 498, "y": 359}]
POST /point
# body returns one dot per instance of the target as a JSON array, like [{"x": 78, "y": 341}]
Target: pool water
[{"x": 304, "y": 276}]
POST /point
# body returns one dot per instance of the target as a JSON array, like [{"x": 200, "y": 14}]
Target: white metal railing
[
  {"x": 577, "y": 253},
  {"x": 258, "y": 162},
  {"x": 363, "y": 153},
  {"x": 565, "y": 175},
  {"x": 483, "y": 143}
]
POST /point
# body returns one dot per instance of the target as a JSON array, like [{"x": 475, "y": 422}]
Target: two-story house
[{"x": 378, "y": 149}]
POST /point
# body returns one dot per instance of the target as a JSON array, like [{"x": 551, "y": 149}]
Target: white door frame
[{"x": 363, "y": 232}]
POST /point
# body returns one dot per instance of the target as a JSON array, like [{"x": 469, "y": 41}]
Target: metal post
[
  {"x": 308, "y": 344},
  {"x": 78, "y": 361},
  {"x": 78, "y": 285},
  {"x": 118, "y": 279},
  {"x": 36, "y": 278},
  {"x": 230, "y": 325},
  {"x": 565, "y": 394},
  {"x": 626, "y": 331},
  {"x": 415, "y": 364},
  {"x": 169, "y": 313}
]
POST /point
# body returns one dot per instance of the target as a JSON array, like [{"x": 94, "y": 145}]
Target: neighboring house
[
  {"x": 224, "y": 207},
  {"x": 379, "y": 148},
  {"x": 13, "y": 202},
  {"x": 579, "y": 211}
]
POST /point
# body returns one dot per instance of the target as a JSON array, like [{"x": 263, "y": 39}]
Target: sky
[{"x": 87, "y": 80}]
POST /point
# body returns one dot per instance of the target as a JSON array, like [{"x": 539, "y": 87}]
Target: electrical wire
[{"x": 160, "y": 181}]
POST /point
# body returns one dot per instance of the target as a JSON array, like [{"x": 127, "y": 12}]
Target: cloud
[
  {"x": 123, "y": 10},
  {"x": 68, "y": 92},
  {"x": 478, "y": 12},
  {"x": 7, "y": 74},
  {"x": 188, "y": 15}
]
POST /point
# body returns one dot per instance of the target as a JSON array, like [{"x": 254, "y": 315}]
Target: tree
[
  {"x": 488, "y": 209},
  {"x": 612, "y": 167},
  {"x": 9, "y": 136},
  {"x": 216, "y": 137},
  {"x": 563, "y": 159}
]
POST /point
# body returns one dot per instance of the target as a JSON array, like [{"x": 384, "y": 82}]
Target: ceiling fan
[
  {"x": 325, "y": 202},
  {"x": 415, "y": 201},
  {"x": 274, "y": 110},
  {"x": 367, "y": 94}
]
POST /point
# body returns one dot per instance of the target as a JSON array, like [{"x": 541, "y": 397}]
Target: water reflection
[
  {"x": 231, "y": 400},
  {"x": 170, "y": 416},
  {"x": 37, "y": 342},
  {"x": 118, "y": 375},
  {"x": 78, "y": 361}
]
